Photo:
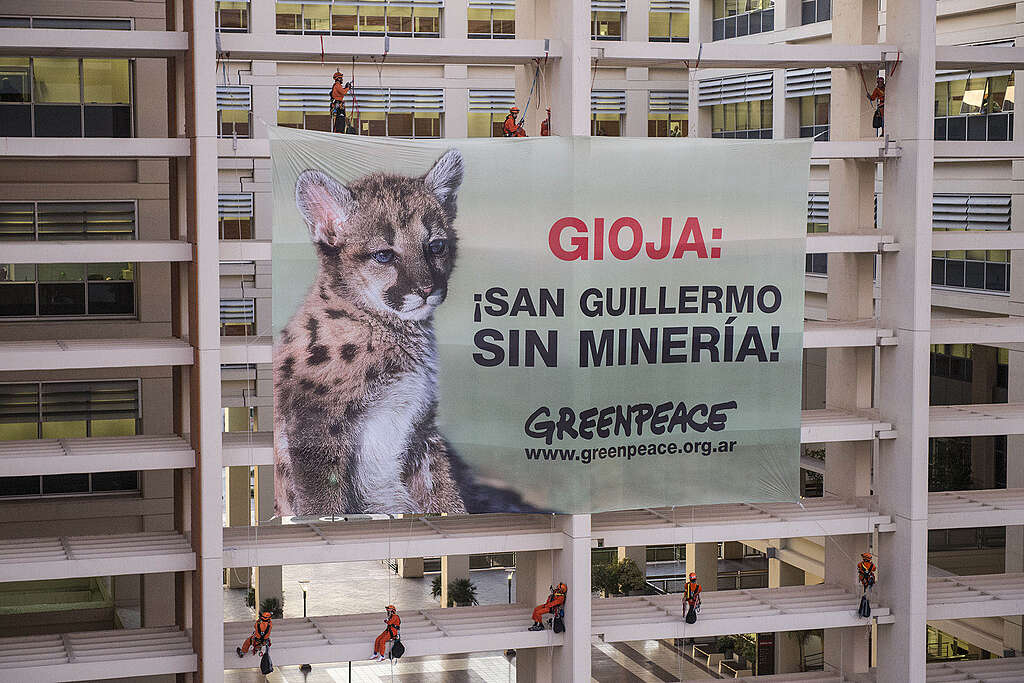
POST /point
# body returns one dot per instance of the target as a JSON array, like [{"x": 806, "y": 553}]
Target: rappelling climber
[
  {"x": 260, "y": 636},
  {"x": 338, "y": 92},
  {"x": 553, "y": 605},
  {"x": 392, "y": 628},
  {"x": 691, "y": 599},
  {"x": 511, "y": 128},
  {"x": 866, "y": 575},
  {"x": 878, "y": 120},
  {"x": 545, "y": 125}
]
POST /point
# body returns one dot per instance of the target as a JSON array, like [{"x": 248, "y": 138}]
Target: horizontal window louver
[
  {"x": 817, "y": 207},
  {"x": 971, "y": 211},
  {"x": 85, "y": 220},
  {"x": 493, "y": 101},
  {"x": 607, "y": 5},
  {"x": 668, "y": 101},
  {"x": 237, "y": 311},
  {"x": 804, "y": 82},
  {"x": 744, "y": 88},
  {"x": 19, "y": 403},
  {"x": 234, "y": 97},
  {"x": 304, "y": 98},
  {"x": 17, "y": 220},
  {"x": 493, "y": 4},
  {"x": 63, "y": 401},
  {"x": 234, "y": 205},
  {"x": 399, "y": 100},
  {"x": 608, "y": 102},
  {"x": 670, "y": 5}
]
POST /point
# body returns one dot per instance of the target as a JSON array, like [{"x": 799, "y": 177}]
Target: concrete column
[
  {"x": 702, "y": 558},
  {"x": 456, "y": 101},
  {"x": 701, "y": 13},
  {"x": 262, "y": 18},
  {"x": 571, "y": 662},
  {"x": 636, "y": 105},
  {"x": 902, "y": 477},
  {"x": 637, "y": 17},
  {"x": 196, "y": 88},
  {"x": 264, "y": 103},
  {"x": 732, "y": 550},
  {"x": 570, "y": 76},
  {"x": 535, "y": 113},
  {"x": 452, "y": 567},
  {"x": 533, "y": 577},
  {"x": 787, "y": 14},
  {"x": 238, "y": 506},
  {"x": 787, "y": 644},
  {"x": 455, "y": 19},
  {"x": 983, "y": 381},
  {"x": 410, "y": 567},
  {"x": 266, "y": 580},
  {"x": 637, "y": 553}
]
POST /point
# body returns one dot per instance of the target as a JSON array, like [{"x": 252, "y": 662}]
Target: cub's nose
[{"x": 425, "y": 291}]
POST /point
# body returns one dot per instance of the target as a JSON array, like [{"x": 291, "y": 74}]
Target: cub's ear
[
  {"x": 444, "y": 179},
  {"x": 325, "y": 205}
]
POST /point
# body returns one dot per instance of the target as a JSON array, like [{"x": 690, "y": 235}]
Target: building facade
[{"x": 135, "y": 380}]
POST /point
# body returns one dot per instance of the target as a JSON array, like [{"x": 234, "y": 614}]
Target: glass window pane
[
  {"x": 289, "y": 16},
  {"x": 66, "y": 483},
  {"x": 399, "y": 19},
  {"x": 479, "y": 125},
  {"x": 371, "y": 19},
  {"x": 124, "y": 427},
  {"x": 16, "y": 300},
  {"x": 106, "y": 81},
  {"x": 14, "y": 79},
  {"x": 108, "y": 121},
  {"x": 428, "y": 20},
  {"x": 658, "y": 24},
  {"x": 19, "y": 486},
  {"x": 680, "y": 25},
  {"x": 62, "y": 298},
  {"x": 111, "y": 298},
  {"x": 942, "y": 99},
  {"x": 343, "y": 18},
  {"x": 58, "y": 121},
  {"x": 61, "y": 272},
  {"x": 479, "y": 20},
  {"x": 730, "y": 116},
  {"x": 399, "y": 125},
  {"x": 17, "y": 221},
  {"x": 70, "y": 429},
  {"x": 115, "y": 481},
  {"x": 56, "y": 79},
  {"x": 316, "y": 18}
]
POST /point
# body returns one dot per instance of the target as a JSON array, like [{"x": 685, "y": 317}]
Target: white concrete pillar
[
  {"x": 456, "y": 101},
  {"x": 410, "y": 567},
  {"x": 266, "y": 580},
  {"x": 637, "y": 14},
  {"x": 787, "y": 644},
  {"x": 264, "y": 103},
  {"x": 701, "y": 14},
  {"x": 534, "y": 574},
  {"x": 902, "y": 477},
  {"x": 636, "y": 104},
  {"x": 571, "y": 662},
  {"x": 455, "y": 19},
  {"x": 702, "y": 558},
  {"x": 787, "y": 14},
  {"x": 570, "y": 75},
  {"x": 237, "y": 501},
  {"x": 452, "y": 567},
  {"x": 262, "y": 18}
]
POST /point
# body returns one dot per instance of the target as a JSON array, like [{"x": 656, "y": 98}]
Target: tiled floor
[{"x": 647, "y": 661}]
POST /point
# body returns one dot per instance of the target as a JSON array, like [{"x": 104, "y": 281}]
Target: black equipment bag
[
  {"x": 397, "y": 649},
  {"x": 557, "y": 625},
  {"x": 266, "y": 665},
  {"x": 876, "y": 120},
  {"x": 691, "y": 616},
  {"x": 865, "y": 607}
]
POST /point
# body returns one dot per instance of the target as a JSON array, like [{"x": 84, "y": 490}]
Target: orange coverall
[
  {"x": 556, "y": 599},
  {"x": 691, "y": 593},
  {"x": 545, "y": 126},
  {"x": 878, "y": 94},
  {"x": 512, "y": 129},
  {"x": 866, "y": 573},
  {"x": 260, "y": 635},
  {"x": 338, "y": 92},
  {"x": 390, "y": 633}
]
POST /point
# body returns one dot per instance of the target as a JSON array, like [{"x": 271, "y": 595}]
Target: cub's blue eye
[
  {"x": 437, "y": 247},
  {"x": 383, "y": 256}
]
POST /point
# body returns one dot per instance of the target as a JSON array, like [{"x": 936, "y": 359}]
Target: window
[
  {"x": 66, "y": 289},
  {"x": 741, "y": 106},
  {"x": 391, "y": 112},
  {"x": 817, "y": 222},
  {"x": 237, "y": 317},
  {"x": 234, "y": 111},
  {"x": 233, "y": 17},
  {"x": 365, "y": 18},
  {"x": 981, "y": 269},
  {"x": 813, "y": 11},
  {"x": 240, "y": 418},
  {"x": 974, "y": 106},
  {"x": 67, "y": 22},
  {"x": 669, "y": 21},
  {"x": 606, "y": 19},
  {"x": 812, "y": 88},
  {"x": 234, "y": 216},
  {"x": 667, "y": 113},
  {"x": 952, "y": 361},
  {"x": 65, "y": 97},
  {"x": 487, "y": 112},
  {"x": 492, "y": 19},
  {"x": 607, "y": 112},
  {"x": 734, "y": 18},
  {"x": 59, "y": 410},
  {"x": 67, "y": 221}
]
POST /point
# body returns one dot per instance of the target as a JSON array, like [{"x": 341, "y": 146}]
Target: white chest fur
[{"x": 385, "y": 433}]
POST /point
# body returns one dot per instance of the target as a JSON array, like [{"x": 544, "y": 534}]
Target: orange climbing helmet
[
  {"x": 865, "y": 556},
  {"x": 265, "y": 616},
  {"x": 693, "y": 576},
  {"x": 562, "y": 588},
  {"x": 514, "y": 110},
  {"x": 391, "y": 608},
  {"x": 338, "y": 76}
]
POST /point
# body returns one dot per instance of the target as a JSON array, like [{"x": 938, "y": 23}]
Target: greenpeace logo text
[{"x": 573, "y": 239}]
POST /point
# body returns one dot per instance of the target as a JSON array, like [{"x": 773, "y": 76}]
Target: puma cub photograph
[{"x": 355, "y": 368}]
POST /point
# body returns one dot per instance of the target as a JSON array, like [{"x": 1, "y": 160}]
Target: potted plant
[
  {"x": 274, "y": 606},
  {"x": 462, "y": 593}
]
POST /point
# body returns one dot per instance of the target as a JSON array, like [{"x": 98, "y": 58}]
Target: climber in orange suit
[
  {"x": 260, "y": 635},
  {"x": 511, "y": 128},
  {"x": 554, "y": 601},
  {"x": 392, "y": 627}
]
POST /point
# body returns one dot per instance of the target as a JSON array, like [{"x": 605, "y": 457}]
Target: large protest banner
[{"x": 551, "y": 324}]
